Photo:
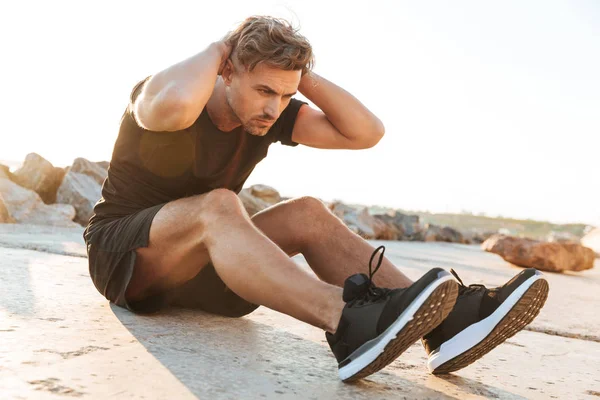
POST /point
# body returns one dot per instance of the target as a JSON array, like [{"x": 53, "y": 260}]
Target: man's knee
[
  {"x": 221, "y": 203},
  {"x": 218, "y": 209},
  {"x": 308, "y": 206},
  {"x": 310, "y": 219},
  {"x": 310, "y": 216}
]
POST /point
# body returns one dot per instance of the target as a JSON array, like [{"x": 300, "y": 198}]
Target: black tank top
[{"x": 149, "y": 168}]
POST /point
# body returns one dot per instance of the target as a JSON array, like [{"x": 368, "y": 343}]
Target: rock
[
  {"x": 252, "y": 204},
  {"x": 26, "y": 206},
  {"x": 5, "y": 172},
  {"x": 434, "y": 233},
  {"x": 39, "y": 175},
  {"x": 82, "y": 192},
  {"x": 554, "y": 257},
  {"x": 381, "y": 230},
  {"x": 339, "y": 208},
  {"x": 91, "y": 169},
  {"x": 104, "y": 164},
  {"x": 5, "y": 217},
  {"x": 452, "y": 235},
  {"x": 592, "y": 241},
  {"x": 349, "y": 217},
  {"x": 363, "y": 223},
  {"x": 477, "y": 236},
  {"x": 258, "y": 197},
  {"x": 396, "y": 230},
  {"x": 406, "y": 227},
  {"x": 265, "y": 193}
]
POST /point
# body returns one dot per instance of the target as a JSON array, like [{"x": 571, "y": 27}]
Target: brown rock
[
  {"x": 434, "y": 233},
  {"x": 405, "y": 227},
  {"x": 477, "y": 236},
  {"x": 362, "y": 223},
  {"x": 26, "y": 206},
  {"x": 5, "y": 172},
  {"x": 396, "y": 230},
  {"x": 104, "y": 164},
  {"x": 265, "y": 193},
  {"x": 82, "y": 192},
  {"x": 381, "y": 230},
  {"x": 251, "y": 203},
  {"x": 339, "y": 209},
  {"x": 258, "y": 197},
  {"x": 39, "y": 175},
  {"x": 349, "y": 216},
  {"x": 452, "y": 235},
  {"x": 91, "y": 169},
  {"x": 554, "y": 257},
  {"x": 5, "y": 217}
]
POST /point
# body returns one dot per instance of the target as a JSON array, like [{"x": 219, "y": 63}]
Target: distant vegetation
[
  {"x": 518, "y": 227},
  {"x": 466, "y": 222}
]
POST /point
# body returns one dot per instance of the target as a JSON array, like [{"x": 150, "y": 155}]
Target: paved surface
[
  {"x": 60, "y": 339},
  {"x": 51, "y": 239}
]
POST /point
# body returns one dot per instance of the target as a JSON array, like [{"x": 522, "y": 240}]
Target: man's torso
[{"x": 149, "y": 168}]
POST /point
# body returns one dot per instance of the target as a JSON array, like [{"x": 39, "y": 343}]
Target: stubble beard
[
  {"x": 246, "y": 126},
  {"x": 255, "y": 130}
]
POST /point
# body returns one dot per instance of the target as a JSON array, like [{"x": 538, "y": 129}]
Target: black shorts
[{"x": 111, "y": 245}]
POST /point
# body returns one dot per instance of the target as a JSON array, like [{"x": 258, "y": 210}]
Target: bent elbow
[
  {"x": 376, "y": 135},
  {"x": 164, "y": 115}
]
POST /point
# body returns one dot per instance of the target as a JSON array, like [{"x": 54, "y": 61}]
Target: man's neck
[{"x": 219, "y": 111}]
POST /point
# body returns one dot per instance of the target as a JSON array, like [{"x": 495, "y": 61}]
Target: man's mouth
[{"x": 264, "y": 122}]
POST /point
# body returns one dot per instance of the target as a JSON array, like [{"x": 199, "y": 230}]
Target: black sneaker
[
  {"x": 378, "y": 324},
  {"x": 482, "y": 319}
]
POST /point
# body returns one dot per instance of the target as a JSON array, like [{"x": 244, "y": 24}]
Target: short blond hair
[{"x": 272, "y": 41}]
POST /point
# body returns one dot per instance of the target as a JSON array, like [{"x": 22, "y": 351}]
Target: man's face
[{"x": 258, "y": 97}]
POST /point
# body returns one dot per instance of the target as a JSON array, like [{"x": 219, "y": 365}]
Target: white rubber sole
[
  {"x": 477, "y": 332},
  {"x": 390, "y": 333}
]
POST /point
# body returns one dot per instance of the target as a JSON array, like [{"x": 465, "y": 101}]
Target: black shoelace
[
  {"x": 464, "y": 290},
  {"x": 372, "y": 292}
]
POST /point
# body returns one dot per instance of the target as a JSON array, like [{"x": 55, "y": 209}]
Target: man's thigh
[{"x": 176, "y": 254}]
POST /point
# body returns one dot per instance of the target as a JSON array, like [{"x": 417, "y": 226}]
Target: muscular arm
[
  {"x": 174, "y": 98},
  {"x": 343, "y": 123}
]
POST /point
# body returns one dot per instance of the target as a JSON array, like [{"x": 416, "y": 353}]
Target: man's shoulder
[{"x": 283, "y": 128}]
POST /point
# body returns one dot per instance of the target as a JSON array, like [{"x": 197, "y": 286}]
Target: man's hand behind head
[{"x": 224, "y": 48}]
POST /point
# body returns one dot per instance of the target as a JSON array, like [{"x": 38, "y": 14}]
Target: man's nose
[{"x": 272, "y": 107}]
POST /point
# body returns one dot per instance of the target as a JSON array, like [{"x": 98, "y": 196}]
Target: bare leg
[
  {"x": 188, "y": 233},
  {"x": 332, "y": 250}
]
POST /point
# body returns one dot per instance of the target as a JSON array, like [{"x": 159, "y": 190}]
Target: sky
[{"x": 489, "y": 107}]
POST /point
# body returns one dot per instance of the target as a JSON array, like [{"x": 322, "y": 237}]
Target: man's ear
[{"x": 228, "y": 70}]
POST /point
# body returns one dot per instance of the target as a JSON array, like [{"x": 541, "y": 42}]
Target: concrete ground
[{"x": 59, "y": 338}]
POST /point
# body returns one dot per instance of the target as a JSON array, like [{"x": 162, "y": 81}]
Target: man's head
[{"x": 267, "y": 61}]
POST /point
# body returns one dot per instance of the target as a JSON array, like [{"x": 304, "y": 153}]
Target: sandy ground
[{"x": 59, "y": 338}]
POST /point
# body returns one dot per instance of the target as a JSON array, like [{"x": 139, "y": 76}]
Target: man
[{"x": 170, "y": 229}]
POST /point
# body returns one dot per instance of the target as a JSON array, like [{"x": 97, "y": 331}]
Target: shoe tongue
[
  {"x": 471, "y": 290},
  {"x": 355, "y": 286}
]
